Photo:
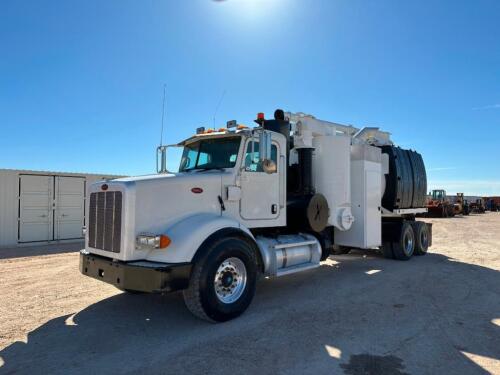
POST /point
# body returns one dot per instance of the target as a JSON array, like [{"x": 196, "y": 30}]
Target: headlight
[{"x": 153, "y": 241}]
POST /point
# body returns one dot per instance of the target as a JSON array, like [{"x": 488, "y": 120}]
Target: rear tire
[
  {"x": 421, "y": 232},
  {"x": 223, "y": 280},
  {"x": 404, "y": 245},
  {"x": 387, "y": 250}
]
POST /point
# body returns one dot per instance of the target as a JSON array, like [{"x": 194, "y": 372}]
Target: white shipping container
[{"x": 43, "y": 207}]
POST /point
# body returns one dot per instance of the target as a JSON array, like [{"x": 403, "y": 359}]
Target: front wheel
[{"x": 222, "y": 283}]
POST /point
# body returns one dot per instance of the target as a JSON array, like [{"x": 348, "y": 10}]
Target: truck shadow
[{"x": 358, "y": 314}]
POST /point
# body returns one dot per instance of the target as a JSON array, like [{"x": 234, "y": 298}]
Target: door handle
[
  {"x": 64, "y": 215},
  {"x": 42, "y": 216}
]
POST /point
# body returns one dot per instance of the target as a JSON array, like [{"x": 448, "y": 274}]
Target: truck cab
[{"x": 235, "y": 158}]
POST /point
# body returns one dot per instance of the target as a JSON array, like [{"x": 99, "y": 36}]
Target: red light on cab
[
  {"x": 197, "y": 190},
  {"x": 104, "y": 187},
  {"x": 260, "y": 116}
]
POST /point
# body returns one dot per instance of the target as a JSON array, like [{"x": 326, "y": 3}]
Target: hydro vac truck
[{"x": 267, "y": 201}]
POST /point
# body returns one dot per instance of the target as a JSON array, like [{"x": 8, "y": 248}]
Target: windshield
[
  {"x": 438, "y": 194},
  {"x": 214, "y": 153}
]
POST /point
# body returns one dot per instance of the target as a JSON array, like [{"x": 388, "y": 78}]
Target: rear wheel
[
  {"x": 222, "y": 283},
  {"x": 404, "y": 244},
  {"x": 421, "y": 232}
]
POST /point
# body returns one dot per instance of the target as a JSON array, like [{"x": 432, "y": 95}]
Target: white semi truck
[{"x": 267, "y": 201}]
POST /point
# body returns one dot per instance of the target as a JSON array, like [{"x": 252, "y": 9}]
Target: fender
[{"x": 188, "y": 235}]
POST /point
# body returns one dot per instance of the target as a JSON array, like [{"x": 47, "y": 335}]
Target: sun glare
[{"x": 252, "y": 9}]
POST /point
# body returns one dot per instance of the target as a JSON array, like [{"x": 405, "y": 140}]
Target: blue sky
[{"x": 81, "y": 81}]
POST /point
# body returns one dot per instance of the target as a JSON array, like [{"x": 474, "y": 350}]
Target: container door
[
  {"x": 70, "y": 203},
  {"x": 260, "y": 191},
  {"x": 35, "y": 208}
]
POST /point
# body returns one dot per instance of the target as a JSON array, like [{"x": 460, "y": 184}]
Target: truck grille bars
[{"x": 105, "y": 220}]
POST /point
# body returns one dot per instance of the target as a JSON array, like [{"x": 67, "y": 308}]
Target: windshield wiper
[{"x": 204, "y": 169}]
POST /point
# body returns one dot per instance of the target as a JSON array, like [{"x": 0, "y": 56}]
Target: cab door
[{"x": 260, "y": 191}]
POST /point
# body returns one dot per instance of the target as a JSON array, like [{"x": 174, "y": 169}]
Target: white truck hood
[{"x": 152, "y": 203}]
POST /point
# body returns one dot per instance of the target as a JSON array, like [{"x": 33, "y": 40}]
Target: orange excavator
[{"x": 438, "y": 205}]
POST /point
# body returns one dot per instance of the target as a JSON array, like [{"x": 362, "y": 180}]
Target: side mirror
[
  {"x": 269, "y": 166},
  {"x": 264, "y": 146}
]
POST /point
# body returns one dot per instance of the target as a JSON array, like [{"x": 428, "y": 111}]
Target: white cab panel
[
  {"x": 263, "y": 195},
  {"x": 260, "y": 195}
]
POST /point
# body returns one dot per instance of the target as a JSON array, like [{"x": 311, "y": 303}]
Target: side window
[{"x": 252, "y": 158}]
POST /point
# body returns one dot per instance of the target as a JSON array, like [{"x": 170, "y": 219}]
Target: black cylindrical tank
[
  {"x": 406, "y": 183},
  {"x": 307, "y": 212}
]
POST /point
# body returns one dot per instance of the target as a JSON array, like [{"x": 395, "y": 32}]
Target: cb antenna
[
  {"x": 161, "y": 151},
  {"x": 218, "y": 105},
  {"x": 163, "y": 113}
]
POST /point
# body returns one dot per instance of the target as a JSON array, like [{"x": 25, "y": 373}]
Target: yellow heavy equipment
[{"x": 461, "y": 206}]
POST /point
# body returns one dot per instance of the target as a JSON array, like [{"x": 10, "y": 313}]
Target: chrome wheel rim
[
  {"x": 230, "y": 280},
  {"x": 408, "y": 244},
  {"x": 424, "y": 239}
]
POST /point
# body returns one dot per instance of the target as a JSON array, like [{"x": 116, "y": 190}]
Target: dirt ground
[{"x": 357, "y": 314}]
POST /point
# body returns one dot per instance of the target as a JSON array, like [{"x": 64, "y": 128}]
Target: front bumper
[{"x": 141, "y": 276}]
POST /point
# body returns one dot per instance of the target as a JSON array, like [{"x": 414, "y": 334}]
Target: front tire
[{"x": 223, "y": 280}]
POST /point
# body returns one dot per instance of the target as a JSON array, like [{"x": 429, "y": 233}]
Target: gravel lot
[{"x": 357, "y": 314}]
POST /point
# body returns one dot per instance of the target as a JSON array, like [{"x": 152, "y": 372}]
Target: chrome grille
[{"x": 105, "y": 220}]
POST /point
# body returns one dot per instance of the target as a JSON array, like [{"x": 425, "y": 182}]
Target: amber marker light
[{"x": 165, "y": 241}]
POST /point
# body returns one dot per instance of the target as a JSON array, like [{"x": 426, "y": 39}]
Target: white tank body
[{"x": 332, "y": 177}]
